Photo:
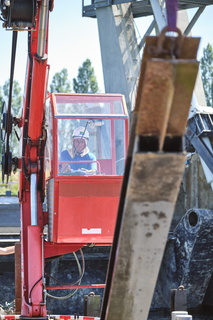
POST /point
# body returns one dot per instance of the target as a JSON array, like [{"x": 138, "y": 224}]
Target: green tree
[
  {"x": 206, "y": 65},
  {"x": 1, "y": 97},
  {"x": 16, "y": 97},
  {"x": 86, "y": 80},
  {"x": 60, "y": 82}
]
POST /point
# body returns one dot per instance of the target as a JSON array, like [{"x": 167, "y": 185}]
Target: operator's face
[{"x": 79, "y": 144}]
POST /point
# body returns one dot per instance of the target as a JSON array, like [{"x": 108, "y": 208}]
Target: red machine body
[{"x": 81, "y": 209}]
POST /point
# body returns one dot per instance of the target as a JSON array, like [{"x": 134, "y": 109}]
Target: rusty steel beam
[
  {"x": 165, "y": 91},
  {"x": 156, "y": 100}
]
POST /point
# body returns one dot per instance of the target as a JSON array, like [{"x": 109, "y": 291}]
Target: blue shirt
[{"x": 65, "y": 156}]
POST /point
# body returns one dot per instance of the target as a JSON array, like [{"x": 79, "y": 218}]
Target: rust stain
[
  {"x": 145, "y": 213},
  {"x": 161, "y": 215},
  {"x": 156, "y": 226},
  {"x": 148, "y": 234}
]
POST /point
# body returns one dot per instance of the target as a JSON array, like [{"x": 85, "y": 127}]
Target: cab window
[{"x": 103, "y": 139}]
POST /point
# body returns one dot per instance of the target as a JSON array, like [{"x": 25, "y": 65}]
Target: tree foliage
[
  {"x": 1, "y": 97},
  {"x": 60, "y": 82},
  {"x": 16, "y": 97},
  {"x": 86, "y": 80},
  {"x": 206, "y": 65}
]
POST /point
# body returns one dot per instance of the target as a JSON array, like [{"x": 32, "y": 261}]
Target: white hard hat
[{"x": 80, "y": 132}]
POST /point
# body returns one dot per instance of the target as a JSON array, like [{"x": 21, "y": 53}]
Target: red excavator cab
[{"x": 83, "y": 190}]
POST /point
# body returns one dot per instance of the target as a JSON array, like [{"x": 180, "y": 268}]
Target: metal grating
[
  {"x": 141, "y": 8},
  {"x": 204, "y": 123}
]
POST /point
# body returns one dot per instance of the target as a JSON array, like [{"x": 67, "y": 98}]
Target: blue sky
[{"x": 73, "y": 39}]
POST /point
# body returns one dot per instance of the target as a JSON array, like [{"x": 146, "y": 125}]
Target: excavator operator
[{"x": 79, "y": 155}]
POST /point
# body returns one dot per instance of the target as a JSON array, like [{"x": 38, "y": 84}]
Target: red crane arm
[{"x": 32, "y": 167}]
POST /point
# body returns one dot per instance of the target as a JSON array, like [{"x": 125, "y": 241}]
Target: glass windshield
[
  {"x": 89, "y": 146},
  {"x": 68, "y": 104},
  {"x": 49, "y": 142}
]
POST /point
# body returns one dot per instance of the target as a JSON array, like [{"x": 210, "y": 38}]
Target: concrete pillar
[
  {"x": 119, "y": 50},
  {"x": 183, "y": 22}
]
